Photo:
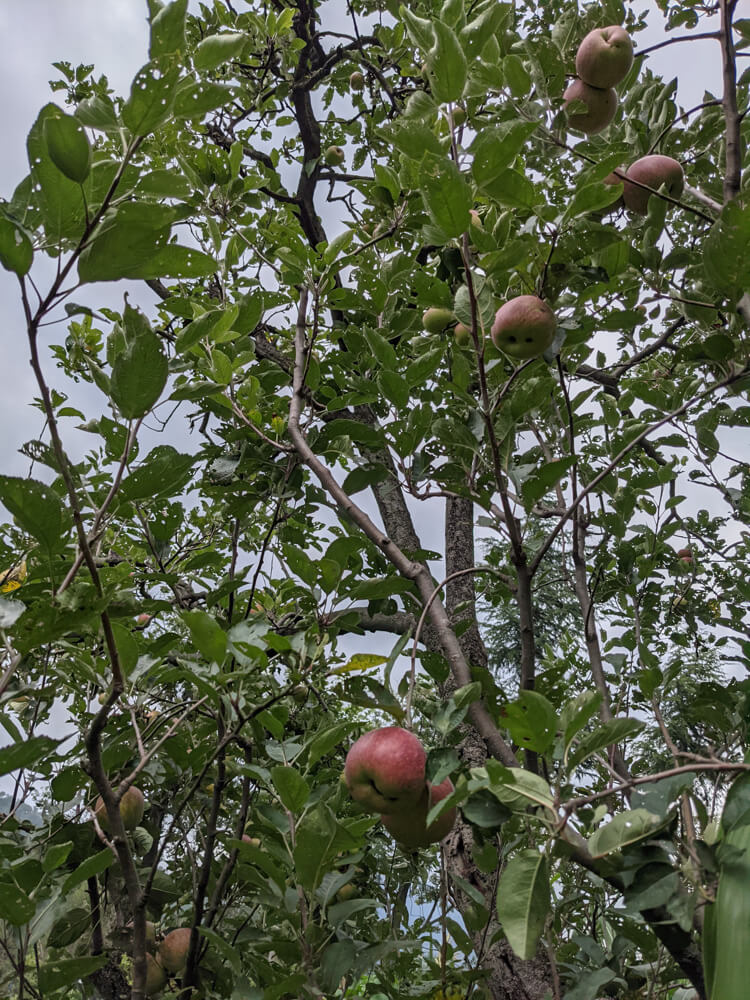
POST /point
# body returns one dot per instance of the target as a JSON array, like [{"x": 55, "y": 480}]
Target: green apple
[
  {"x": 346, "y": 892},
  {"x": 604, "y": 57},
  {"x": 334, "y": 156},
  {"x": 357, "y": 81},
  {"x": 459, "y": 116},
  {"x": 156, "y": 976},
  {"x": 132, "y": 807},
  {"x": 462, "y": 335},
  {"x": 653, "y": 170},
  {"x": 524, "y": 327},
  {"x": 410, "y": 828},
  {"x": 600, "y": 107},
  {"x": 436, "y": 319},
  {"x": 252, "y": 841},
  {"x": 385, "y": 770}
]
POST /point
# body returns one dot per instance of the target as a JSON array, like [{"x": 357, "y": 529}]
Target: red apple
[
  {"x": 410, "y": 828},
  {"x": 604, "y": 57},
  {"x": 132, "y": 807},
  {"x": 653, "y": 170},
  {"x": 174, "y": 949},
  {"x": 600, "y": 107},
  {"x": 384, "y": 770},
  {"x": 524, "y": 327}
]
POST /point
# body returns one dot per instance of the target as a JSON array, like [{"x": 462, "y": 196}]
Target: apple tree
[{"x": 390, "y": 374}]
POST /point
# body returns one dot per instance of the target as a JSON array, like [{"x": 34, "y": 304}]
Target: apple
[
  {"x": 524, "y": 327},
  {"x": 384, "y": 770},
  {"x": 476, "y": 218},
  {"x": 150, "y": 934},
  {"x": 357, "y": 81},
  {"x": 300, "y": 693},
  {"x": 174, "y": 949},
  {"x": 685, "y": 555},
  {"x": 156, "y": 976},
  {"x": 459, "y": 116},
  {"x": 462, "y": 334},
  {"x": 435, "y": 319},
  {"x": 143, "y": 619},
  {"x": 600, "y": 107},
  {"x": 346, "y": 892},
  {"x": 604, "y": 57},
  {"x": 334, "y": 156},
  {"x": 132, "y": 807},
  {"x": 653, "y": 170},
  {"x": 252, "y": 841},
  {"x": 410, "y": 828}
]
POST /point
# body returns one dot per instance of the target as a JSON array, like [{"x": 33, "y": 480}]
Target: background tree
[{"x": 198, "y": 610}]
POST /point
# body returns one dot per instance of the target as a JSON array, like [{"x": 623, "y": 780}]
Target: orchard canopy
[{"x": 273, "y": 507}]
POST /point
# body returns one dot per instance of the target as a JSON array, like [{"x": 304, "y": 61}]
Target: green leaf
[
  {"x": 55, "y": 855},
  {"x": 336, "y": 962},
  {"x": 315, "y": 837},
  {"x": 164, "y": 471},
  {"x": 68, "y": 146},
  {"x": 589, "y": 985},
  {"x": 593, "y": 198},
  {"x": 138, "y": 376},
  {"x": 544, "y": 478},
  {"x": 484, "y": 810},
  {"x": 446, "y": 195},
  {"x": 217, "y": 49},
  {"x": 292, "y": 788},
  {"x": 97, "y": 112},
  {"x": 16, "y": 251},
  {"x": 494, "y": 149},
  {"x": 516, "y": 75},
  {"x": 168, "y": 30},
  {"x": 626, "y": 828},
  {"x": 94, "y": 865},
  {"x": 209, "y": 638},
  {"x": 125, "y": 243},
  {"x": 610, "y": 732},
  {"x": 523, "y": 900},
  {"x": 487, "y": 24},
  {"x": 60, "y": 200},
  {"x": 37, "y": 508},
  {"x": 531, "y": 720},
  {"x": 576, "y": 713},
  {"x": 726, "y": 256},
  {"x": 152, "y": 95},
  {"x": 419, "y": 29},
  {"x": 209, "y": 324},
  {"x": 193, "y": 100},
  {"x": 15, "y": 906},
  {"x": 446, "y": 65},
  {"x": 66, "y": 971}
]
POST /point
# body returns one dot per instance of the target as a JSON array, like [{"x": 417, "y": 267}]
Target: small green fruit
[
  {"x": 435, "y": 319},
  {"x": 156, "y": 976},
  {"x": 459, "y": 116},
  {"x": 462, "y": 335},
  {"x": 132, "y": 807},
  {"x": 334, "y": 156},
  {"x": 346, "y": 892},
  {"x": 357, "y": 81}
]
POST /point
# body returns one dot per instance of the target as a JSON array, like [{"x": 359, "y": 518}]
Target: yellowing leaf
[
  {"x": 12, "y": 578},
  {"x": 361, "y": 661}
]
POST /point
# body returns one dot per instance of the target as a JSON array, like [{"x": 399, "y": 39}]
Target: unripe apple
[
  {"x": 384, "y": 770},
  {"x": 346, "y": 892},
  {"x": 174, "y": 949},
  {"x": 357, "y": 81},
  {"x": 300, "y": 693},
  {"x": 334, "y": 156},
  {"x": 435, "y": 319},
  {"x": 462, "y": 335},
  {"x": 156, "y": 976},
  {"x": 604, "y": 56},
  {"x": 410, "y": 828},
  {"x": 252, "y": 841},
  {"x": 150, "y": 934},
  {"x": 459, "y": 116},
  {"x": 600, "y": 107},
  {"x": 524, "y": 327},
  {"x": 653, "y": 170},
  {"x": 476, "y": 218},
  {"x": 132, "y": 807}
]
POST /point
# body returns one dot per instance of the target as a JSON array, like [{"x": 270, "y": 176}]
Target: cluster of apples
[
  {"x": 524, "y": 327},
  {"x": 603, "y": 59},
  {"x": 385, "y": 773},
  {"x": 169, "y": 960}
]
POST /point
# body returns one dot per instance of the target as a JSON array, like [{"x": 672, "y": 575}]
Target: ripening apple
[
  {"x": 174, "y": 949},
  {"x": 346, "y": 892},
  {"x": 604, "y": 57},
  {"x": 435, "y": 319},
  {"x": 462, "y": 334},
  {"x": 357, "y": 81},
  {"x": 653, "y": 170},
  {"x": 524, "y": 327},
  {"x": 334, "y": 156},
  {"x": 252, "y": 841},
  {"x": 385, "y": 770},
  {"x": 132, "y": 807},
  {"x": 410, "y": 828},
  {"x": 459, "y": 116},
  {"x": 685, "y": 555},
  {"x": 601, "y": 106},
  {"x": 156, "y": 976}
]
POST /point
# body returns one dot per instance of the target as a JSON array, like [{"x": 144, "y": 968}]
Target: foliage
[{"x": 198, "y": 609}]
